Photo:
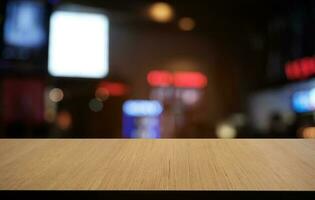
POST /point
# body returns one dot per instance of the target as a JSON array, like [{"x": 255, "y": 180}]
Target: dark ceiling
[
  {"x": 204, "y": 8},
  {"x": 219, "y": 15}
]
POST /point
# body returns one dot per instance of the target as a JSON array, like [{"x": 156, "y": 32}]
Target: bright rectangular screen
[{"x": 78, "y": 45}]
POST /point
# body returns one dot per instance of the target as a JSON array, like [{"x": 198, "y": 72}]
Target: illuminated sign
[
  {"x": 190, "y": 80},
  {"x": 113, "y": 88},
  {"x": 141, "y": 119},
  {"x": 78, "y": 44},
  {"x": 24, "y": 24},
  {"x": 304, "y": 101},
  {"x": 162, "y": 78},
  {"x": 300, "y": 69},
  {"x": 140, "y": 108}
]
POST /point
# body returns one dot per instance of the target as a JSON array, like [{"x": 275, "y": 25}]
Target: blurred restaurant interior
[{"x": 157, "y": 69}]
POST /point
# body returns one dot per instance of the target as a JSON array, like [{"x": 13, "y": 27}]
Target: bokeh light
[
  {"x": 56, "y": 95},
  {"x": 101, "y": 94},
  {"x": 186, "y": 24},
  {"x": 75, "y": 39},
  {"x": 95, "y": 105},
  {"x": 186, "y": 79},
  {"x": 64, "y": 120},
  {"x": 113, "y": 88},
  {"x": 50, "y": 115},
  {"x": 160, "y": 78},
  {"x": 161, "y": 12},
  {"x": 142, "y": 108},
  {"x": 308, "y": 132},
  {"x": 226, "y": 131},
  {"x": 190, "y": 97},
  {"x": 312, "y": 98},
  {"x": 301, "y": 102}
]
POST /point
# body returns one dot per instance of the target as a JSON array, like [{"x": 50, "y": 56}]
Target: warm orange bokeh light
[
  {"x": 186, "y": 24},
  {"x": 56, "y": 95},
  {"x": 64, "y": 120},
  {"x": 101, "y": 94},
  {"x": 308, "y": 132},
  {"x": 161, "y": 12}
]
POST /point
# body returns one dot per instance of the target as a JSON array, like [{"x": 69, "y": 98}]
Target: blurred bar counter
[{"x": 170, "y": 164}]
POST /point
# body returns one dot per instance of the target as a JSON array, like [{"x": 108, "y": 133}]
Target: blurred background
[{"x": 151, "y": 69}]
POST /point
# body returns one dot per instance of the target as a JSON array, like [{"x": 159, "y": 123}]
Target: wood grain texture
[{"x": 197, "y": 164}]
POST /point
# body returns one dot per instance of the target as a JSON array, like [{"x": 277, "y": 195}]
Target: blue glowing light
[
  {"x": 142, "y": 108},
  {"x": 24, "y": 24},
  {"x": 301, "y": 102}
]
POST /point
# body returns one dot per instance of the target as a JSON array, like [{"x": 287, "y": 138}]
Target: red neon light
[
  {"x": 308, "y": 66},
  {"x": 179, "y": 79},
  {"x": 114, "y": 89},
  {"x": 160, "y": 78},
  {"x": 190, "y": 80},
  {"x": 300, "y": 69},
  {"x": 289, "y": 71}
]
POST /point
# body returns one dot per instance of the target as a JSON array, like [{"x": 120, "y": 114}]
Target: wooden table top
[{"x": 170, "y": 164}]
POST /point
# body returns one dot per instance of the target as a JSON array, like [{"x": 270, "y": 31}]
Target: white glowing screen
[{"x": 78, "y": 45}]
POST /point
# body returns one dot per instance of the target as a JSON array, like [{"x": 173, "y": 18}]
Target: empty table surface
[{"x": 170, "y": 164}]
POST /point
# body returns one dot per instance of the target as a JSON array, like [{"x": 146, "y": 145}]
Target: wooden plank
[{"x": 196, "y": 164}]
